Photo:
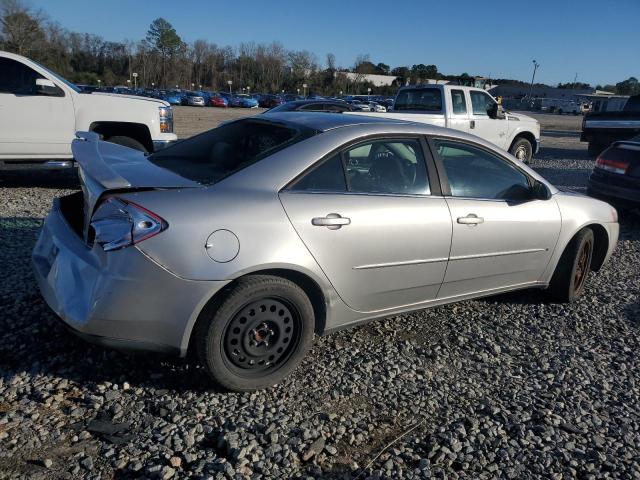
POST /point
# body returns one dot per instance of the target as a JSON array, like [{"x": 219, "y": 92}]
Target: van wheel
[
  {"x": 128, "y": 142},
  {"x": 522, "y": 150},
  {"x": 570, "y": 277},
  {"x": 257, "y": 334}
]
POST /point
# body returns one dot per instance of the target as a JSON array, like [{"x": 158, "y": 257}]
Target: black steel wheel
[
  {"x": 261, "y": 336},
  {"x": 256, "y": 334}
]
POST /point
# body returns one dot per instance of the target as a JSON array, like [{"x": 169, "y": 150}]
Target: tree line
[{"x": 162, "y": 59}]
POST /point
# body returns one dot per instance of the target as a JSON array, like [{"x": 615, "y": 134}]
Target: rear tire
[
  {"x": 522, "y": 150},
  {"x": 128, "y": 142},
  {"x": 570, "y": 277},
  {"x": 257, "y": 334}
]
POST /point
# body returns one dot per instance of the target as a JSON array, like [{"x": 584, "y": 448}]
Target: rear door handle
[
  {"x": 472, "y": 124},
  {"x": 471, "y": 219},
  {"x": 333, "y": 221}
]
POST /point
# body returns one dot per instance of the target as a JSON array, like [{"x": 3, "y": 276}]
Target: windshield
[
  {"x": 211, "y": 156},
  {"x": 422, "y": 99},
  {"x": 72, "y": 86}
]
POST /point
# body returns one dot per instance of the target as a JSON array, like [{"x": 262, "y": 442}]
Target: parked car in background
[
  {"x": 246, "y": 101},
  {"x": 470, "y": 110},
  {"x": 270, "y": 101},
  {"x": 376, "y": 107},
  {"x": 616, "y": 175},
  {"x": 41, "y": 111},
  {"x": 193, "y": 99},
  {"x": 174, "y": 97},
  {"x": 359, "y": 105},
  {"x": 601, "y": 129},
  {"x": 334, "y": 106},
  {"x": 290, "y": 97},
  {"x": 232, "y": 100},
  {"x": 217, "y": 100},
  {"x": 325, "y": 198}
]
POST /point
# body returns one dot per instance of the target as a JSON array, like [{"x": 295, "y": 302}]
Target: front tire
[
  {"x": 257, "y": 334},
  {"x": 128, "y": 142},
  {"x": 570, "y": 277},
  {"x": 522, "y": 150}
]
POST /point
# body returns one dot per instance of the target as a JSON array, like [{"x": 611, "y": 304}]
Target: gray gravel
[{"x": 505, "y": 387}]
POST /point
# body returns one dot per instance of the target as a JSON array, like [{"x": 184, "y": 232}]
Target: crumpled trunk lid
[{"x": 105, "y": 167}]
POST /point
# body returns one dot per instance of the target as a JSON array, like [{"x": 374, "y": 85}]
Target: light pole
[
  {"x": 248, "y": 90},
  {"x": 535, "y": 67},
  {"x": 298, "y": 90},
  {"x": 135, "y": 80},
  {"x": 369, "y": 92},
  {"x": 304, "y": 86},
  {"x": 99, "y": 83},
  {"x": 128, "y": 83},
  {"x": 229, "y": 82}
]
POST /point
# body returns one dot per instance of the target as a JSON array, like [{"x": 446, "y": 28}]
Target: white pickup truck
[
  {"x": 469, "y": 109},
  {"x": 40, "y": 113}
]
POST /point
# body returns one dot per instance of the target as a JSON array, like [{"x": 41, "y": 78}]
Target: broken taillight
[{"x": 119, "y": 223}]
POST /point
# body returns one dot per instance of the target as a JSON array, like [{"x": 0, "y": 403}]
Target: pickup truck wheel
[
  {"x": 522, "y": 150},
  {"x": 570, "y": 277},
  {"x": 128, "y": 142}
]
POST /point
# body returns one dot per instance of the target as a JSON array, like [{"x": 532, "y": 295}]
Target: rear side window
[
  {"x": 211, "y": 156},
  {"x": 393, "y": 166},
  {"x": 17, "y": 78},
  {"x": 419, "y": 99},
  {"x": 328, "y": 177},
  {"x": 476, "y": 173}
]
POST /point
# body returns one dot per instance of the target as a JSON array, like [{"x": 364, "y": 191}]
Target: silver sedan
[{"x": 243, "y": 242}]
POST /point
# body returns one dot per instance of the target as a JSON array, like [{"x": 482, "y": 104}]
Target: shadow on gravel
[
  {"x": 34, "y": 340},
  {"x": 57, "y": 179},
  {"x": 575, "y": 154}
]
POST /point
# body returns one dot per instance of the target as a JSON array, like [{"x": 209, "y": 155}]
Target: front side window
[
  {"x": 480, "y": 102},
  {"x": 419, "y": 99},
  {"x": 458, "y": 102},
  {"x": 476, "y": 173},
  {"x": 17, "y": 78}
]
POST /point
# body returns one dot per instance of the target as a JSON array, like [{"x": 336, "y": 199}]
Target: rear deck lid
[{"x": 108, "y": 167}]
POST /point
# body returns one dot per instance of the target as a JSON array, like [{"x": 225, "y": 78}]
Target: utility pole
[{"x": 535, "y": 67}]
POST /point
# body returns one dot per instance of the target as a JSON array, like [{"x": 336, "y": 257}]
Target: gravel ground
[{"x": 505, "y": 387}]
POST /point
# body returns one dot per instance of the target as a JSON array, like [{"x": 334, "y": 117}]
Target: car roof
[{"x": 323, "y": 121}]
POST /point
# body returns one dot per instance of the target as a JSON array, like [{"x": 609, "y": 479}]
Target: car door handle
[
  {"x": 472, "y": 124},
  {"x": 333, "y": 221},
  {"x": 471, "y": 219}
]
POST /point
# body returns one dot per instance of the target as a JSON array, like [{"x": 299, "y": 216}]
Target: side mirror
[
  {"x": 44, "y": 86},
  {"x": 495, "y": 111},
  {"x": 539, "y": 191}
]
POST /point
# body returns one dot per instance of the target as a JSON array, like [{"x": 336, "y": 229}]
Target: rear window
[
  {"x": 420, "y": 99},
  {"x": 211, "y": 156}
]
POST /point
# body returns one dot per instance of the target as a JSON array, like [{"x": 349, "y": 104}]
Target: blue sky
[{"x": 598, "y": 40}]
